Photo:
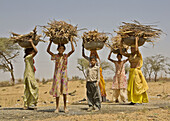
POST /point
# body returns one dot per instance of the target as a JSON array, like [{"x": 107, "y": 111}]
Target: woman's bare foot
[
  {"x": 56, "y": 111},
  {"x": 32, "y": 107},
  {"x": 65, "y": 110}
]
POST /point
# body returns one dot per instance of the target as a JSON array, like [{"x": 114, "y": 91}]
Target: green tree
[
  {"x": 83, "y": 65},
  {"x": 106, "y": 66},
  {"x": 167, "y": 71},
  {"x": 158, "y": 64},
  {"x": 8, "y": 51}
]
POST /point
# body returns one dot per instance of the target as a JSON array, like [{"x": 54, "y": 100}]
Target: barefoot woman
[
  {"x": 30, "y": 83},
  {"x": 137, "y": 85}
]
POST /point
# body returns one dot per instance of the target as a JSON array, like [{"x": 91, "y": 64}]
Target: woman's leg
[
  {"x": 57, "y": 104},
  {"x": 65, "y": 103},
  {"x": 26, "y": 94},
  {"x": 116, "y": 93},
  {"x": 123, "y": 95}
]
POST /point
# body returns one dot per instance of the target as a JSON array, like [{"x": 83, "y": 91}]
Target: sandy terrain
[{"x": 11, "y": 103}]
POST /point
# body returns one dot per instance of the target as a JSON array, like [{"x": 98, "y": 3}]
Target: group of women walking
[{"x": 134, "y": 89}]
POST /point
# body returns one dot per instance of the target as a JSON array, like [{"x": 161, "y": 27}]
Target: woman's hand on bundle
[
  {"x": 30, "y": 40},
  {"x": 51, "y": 40}
]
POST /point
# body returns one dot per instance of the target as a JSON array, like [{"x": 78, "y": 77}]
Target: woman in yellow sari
[
  {"x": 30, "y": 83},
  {"x": 137, "y": 85}
]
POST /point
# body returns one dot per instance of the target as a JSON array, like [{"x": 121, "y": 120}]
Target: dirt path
[
  {"x": 43, "y": 113},
  {"x": 11, "y": 103}
]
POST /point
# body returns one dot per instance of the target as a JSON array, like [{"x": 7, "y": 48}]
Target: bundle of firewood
[
  {"x": 129, "y": 31},
  {"x": 60, "y": 32},
  {"x": 115, "y": 44},
  {"x": 22, "y": 39},
  {"x": 94, "y": 40},
  {"x": 94, "y": 36}
]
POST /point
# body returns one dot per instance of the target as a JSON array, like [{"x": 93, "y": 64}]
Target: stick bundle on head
[
  {"x": 94, "y": 40},
  {"x": 115, "y": 44},
  {"x": 129, "y": 31},
  {"x": 23, "y": 40},
  {"x": 60, "y": 32}
]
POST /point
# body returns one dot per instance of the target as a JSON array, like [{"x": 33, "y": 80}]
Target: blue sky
[{"x": 21, "y": 16}]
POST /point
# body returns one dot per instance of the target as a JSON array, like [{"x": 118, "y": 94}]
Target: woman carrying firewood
[
  {"x": 137, "y": 85},
  {"x": 60, "y": 82},
  {"x": 30, "y": 84},
  {"x": 119, "y": 81}
]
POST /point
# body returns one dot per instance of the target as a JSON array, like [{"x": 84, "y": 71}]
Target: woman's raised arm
[
  {"x": 33, "y": 46},
  {"x": 72, "y": 48},
  {"x": 48, "y": 49},
  {"x": 110, "y": 58}
]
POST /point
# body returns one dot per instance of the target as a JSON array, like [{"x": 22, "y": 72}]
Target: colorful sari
[
  {"x": 137, "y": 85},
  {"x": 102, "y": 86},
  {"x": 60, "y": 82},
  {"x": 30, "y": 83}
]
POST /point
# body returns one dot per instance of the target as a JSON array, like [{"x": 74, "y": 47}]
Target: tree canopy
[{"x": 8, "y": 51}]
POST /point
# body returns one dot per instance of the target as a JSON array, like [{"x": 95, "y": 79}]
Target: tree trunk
[
  {"x": 149, "y": 77},
  {"x": 155, "y": 77},
  {"x": 13, "y": 79},
  {"x": 12, "y": 73}
]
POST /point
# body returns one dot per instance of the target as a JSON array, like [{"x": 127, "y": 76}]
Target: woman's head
[
  {"x": 61, "y": 48},
  {"x": 132, "y": 49},
  {"x": 119, "y": 56},
  {"x": 28, "y": 51}
]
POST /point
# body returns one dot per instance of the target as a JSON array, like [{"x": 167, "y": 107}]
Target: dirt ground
[{"x": 11, "y": 104}]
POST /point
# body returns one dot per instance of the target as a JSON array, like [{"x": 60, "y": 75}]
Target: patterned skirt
[
  {"x": 119, "y": 82},
  {"x": 60, "y": 84}
]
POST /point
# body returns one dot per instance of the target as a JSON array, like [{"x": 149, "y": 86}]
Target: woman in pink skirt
[{"x": 119, "y": 80}]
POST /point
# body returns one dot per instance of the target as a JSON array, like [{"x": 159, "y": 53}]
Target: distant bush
[
  {"x": 44, "y": 82},
  {"x": 164, "y": 79},
  {"x": 38, "y": 80},
  {"x": 49, "y": 80},
  {"x": 20, "y": 81}
]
